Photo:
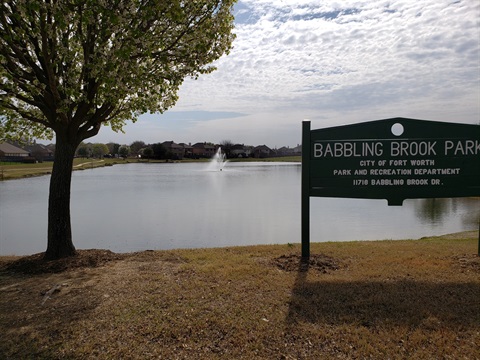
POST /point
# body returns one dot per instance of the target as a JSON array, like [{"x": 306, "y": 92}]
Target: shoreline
[
  {"x": 468, "y": 234},
  {"x": 22, "y": 171}
]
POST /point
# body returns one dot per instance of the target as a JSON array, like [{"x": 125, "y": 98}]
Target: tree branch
[{"x": 24, "y": 114}]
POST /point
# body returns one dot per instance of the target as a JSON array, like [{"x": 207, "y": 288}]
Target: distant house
[
  {"x": 40, "y": 152},
  {"x": 288, "y": 151},
  {"x": 284, "y": 151},
  {"x": 262, "y": 151},
  {"x": 51, "y": 147},
  {"x": 204, "y": 150},
  {"x": 176, "y": 151},
  {"x": 239, "y": 151},
  {"x": 297, "y": 150},
  {"x": 11, "y": 153},
  {"x": 187, "y": 150}
]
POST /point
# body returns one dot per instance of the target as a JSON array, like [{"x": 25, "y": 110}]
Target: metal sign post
[
  {"x": 393, "y": 159},
  {"x": 305, "y": 190}
]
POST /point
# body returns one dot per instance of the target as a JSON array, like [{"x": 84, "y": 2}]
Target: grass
[
  {"x": 10, "y": 171},
  {"x": 271, "y": 159},
  {"x": 19, "y": 170},
  {"x": 413, "y": 299}
]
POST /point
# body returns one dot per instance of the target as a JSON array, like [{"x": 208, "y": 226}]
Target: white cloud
[{"x": 337, "y": 62}]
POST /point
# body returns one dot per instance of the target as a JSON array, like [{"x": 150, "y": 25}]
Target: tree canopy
[
  {"x": 72, "y": 65},
  {"x": 67, "y": 67}
]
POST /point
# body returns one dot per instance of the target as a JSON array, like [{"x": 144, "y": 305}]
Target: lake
[{"x": 142, "y": 206}]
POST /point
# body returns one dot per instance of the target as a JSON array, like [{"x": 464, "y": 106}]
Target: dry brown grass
[{"x": 382, "y": 300}]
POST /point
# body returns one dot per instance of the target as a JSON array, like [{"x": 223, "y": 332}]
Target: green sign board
[{"x": 393, "y": 159}]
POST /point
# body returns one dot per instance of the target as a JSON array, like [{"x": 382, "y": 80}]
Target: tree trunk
[{"x": 60, "y": 243}]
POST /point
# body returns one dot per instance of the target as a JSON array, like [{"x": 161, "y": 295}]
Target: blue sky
[{"x": 332, "y": 62}]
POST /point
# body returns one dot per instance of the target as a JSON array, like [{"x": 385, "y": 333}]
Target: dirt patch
[
  {"x": 36, "y": 264},
  {"x": 318, "y": 262},
  {"x": 468, "y": 262}
]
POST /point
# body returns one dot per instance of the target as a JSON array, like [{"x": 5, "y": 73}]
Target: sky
[{"x": 331, "y": 62}]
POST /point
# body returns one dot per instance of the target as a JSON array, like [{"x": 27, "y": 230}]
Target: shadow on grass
[
  {"x": 384, "y": 303},
  {"x": 34, "y": 320}
]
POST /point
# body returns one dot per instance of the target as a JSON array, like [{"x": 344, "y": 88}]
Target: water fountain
[{"x": 218, "y": 161}]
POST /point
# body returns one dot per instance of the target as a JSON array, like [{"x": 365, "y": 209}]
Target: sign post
[
  {"x": 305, "y": 190},
  {"x": 393, "y": 159}
]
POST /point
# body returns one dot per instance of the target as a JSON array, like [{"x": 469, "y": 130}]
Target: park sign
[{"x": 393, "y": 159}]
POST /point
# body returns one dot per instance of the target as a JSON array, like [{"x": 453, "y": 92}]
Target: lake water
[{"x": 163, "y": 206}]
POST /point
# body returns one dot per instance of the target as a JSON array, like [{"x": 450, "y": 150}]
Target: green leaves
[{"x": 68, "y": 63}]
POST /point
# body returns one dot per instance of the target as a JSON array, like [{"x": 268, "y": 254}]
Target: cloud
[{"x": 336, "y": 62}]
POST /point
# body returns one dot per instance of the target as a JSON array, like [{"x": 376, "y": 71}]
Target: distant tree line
[
  {"x": 169, "y": 150},
  {"x": 113, "y": 150}
]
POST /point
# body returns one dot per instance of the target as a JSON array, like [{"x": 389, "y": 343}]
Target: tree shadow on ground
[
  {"x": 42, "y": 301},
  {"x": 405, "y": 302}
]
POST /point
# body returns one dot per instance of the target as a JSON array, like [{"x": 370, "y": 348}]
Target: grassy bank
[
  {"x": 9, "y": 171},
  {"x": 388, "y": 299},
  {"x": 272, "y": 159},
  {"x": 19, "y": 170}
]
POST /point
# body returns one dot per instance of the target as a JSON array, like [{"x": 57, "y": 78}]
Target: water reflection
[
  {"x": 432, "y": 210},
  {"x": 471, "y": 219},
  {"x": 160, "y": 206},
  {"x": 437, "y": 210}
]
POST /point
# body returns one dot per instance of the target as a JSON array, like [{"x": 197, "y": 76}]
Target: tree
[
  {"x": 113, "y": 148},
  {"x": 159, "y": 151},
  {"x": 67, "y": 67},
  {"x": 83, "y": 151},
  {"x": 99, "y": 150},
  {"x": 124, "y": 151},
  {"x": 226, "y": 146},
  {"x": 147, "y": 152},
  {"x": 136, "y": 146}
]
